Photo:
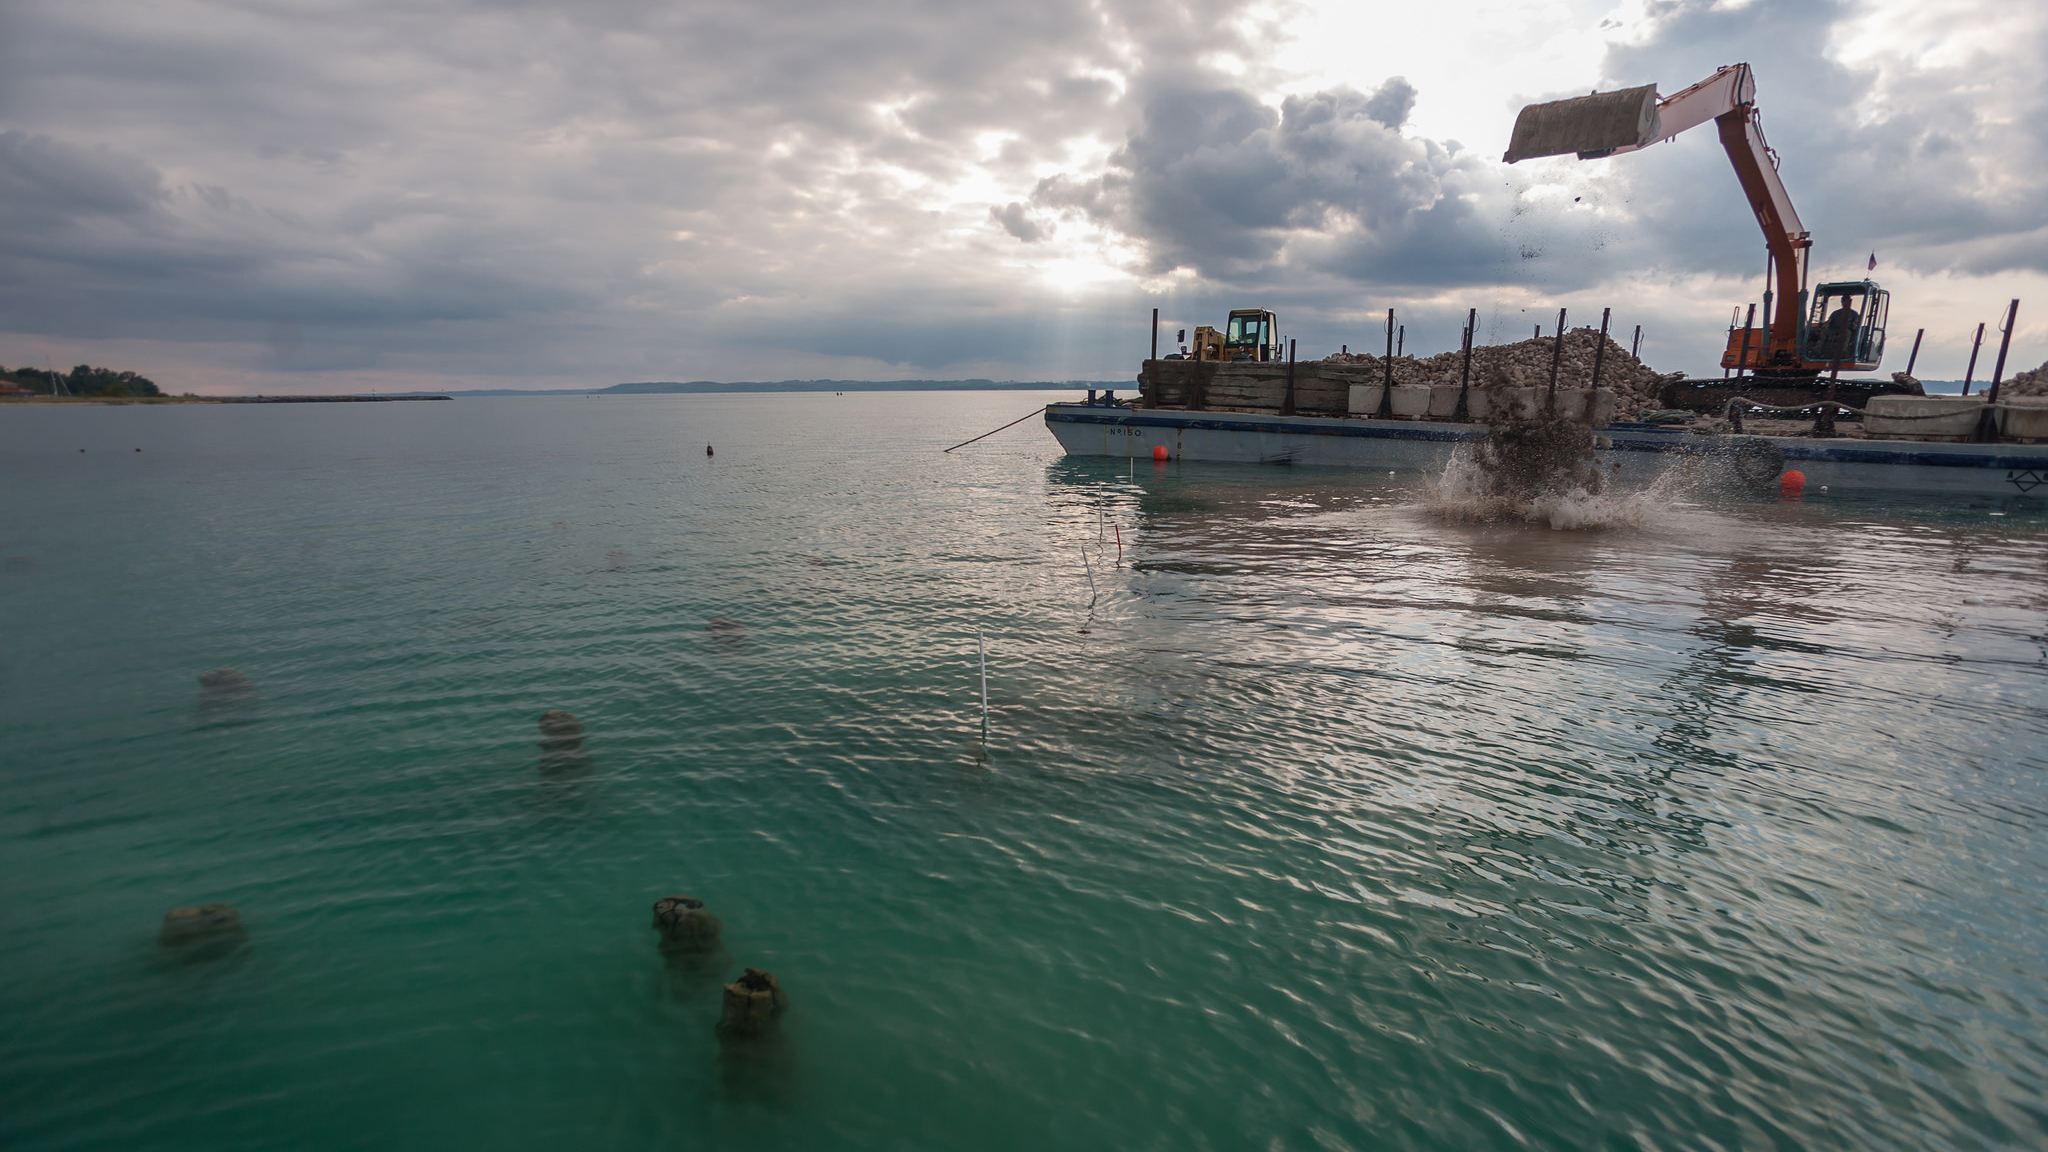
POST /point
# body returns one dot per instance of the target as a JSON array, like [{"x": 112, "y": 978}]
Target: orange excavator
[{"x": 1844, "y": 327}]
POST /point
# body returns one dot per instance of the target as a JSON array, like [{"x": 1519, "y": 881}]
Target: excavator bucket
[{"x": 1591, "y": 126}]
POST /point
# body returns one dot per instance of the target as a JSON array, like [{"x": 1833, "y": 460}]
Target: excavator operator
[{"x": 1838, "y": 339}]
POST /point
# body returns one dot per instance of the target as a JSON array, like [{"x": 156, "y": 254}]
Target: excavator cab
[
  {"x": 1252, "y": 334},
  {"x": 1846, "y": 326}
]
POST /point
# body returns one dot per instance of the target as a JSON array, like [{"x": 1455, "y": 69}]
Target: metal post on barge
[
  {"x": 1287, "y": 401},
  {"x": 2012, "y": 313},
  {"x": 1462, "y": 413},
  {"x": 1600, "y": 349},
  {"x": 1970, "y": 373},
  {"x": 1556, "y": 359},
  {"x": 1915, "y": 357},
  {"x": 1764, "y": 353},
  {"x": 1987, "y": 422},
  {"x": 1387, "y": 378},
  {"x": 1748, "y": 327},
  {"x": 1824, "y": 420}
]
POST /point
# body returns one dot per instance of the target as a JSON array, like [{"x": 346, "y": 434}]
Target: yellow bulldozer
[{"x": 1250, "y": 334}]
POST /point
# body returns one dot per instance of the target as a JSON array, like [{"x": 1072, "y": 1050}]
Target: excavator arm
[{"x": 1611, "y": 123}]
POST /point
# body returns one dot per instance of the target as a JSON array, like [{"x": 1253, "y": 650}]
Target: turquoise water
[{"x": 1320, "y": 822}]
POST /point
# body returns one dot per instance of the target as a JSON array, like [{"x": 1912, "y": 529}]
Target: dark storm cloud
[
  {"x": 1216, "y": 181},
  {"x": 1317, "y": 196},
  {"x": 46, "y": 184},
  {"x": 92, "y": 241}
]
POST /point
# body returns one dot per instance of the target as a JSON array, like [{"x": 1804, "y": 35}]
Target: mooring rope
[
  {"x": 1807, "y": 409},
  {"x": 993, "y": 431}
]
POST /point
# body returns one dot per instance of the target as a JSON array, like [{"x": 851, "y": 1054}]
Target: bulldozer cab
[
  {"x": 1846, "y": 326},
  {"x": 1252, "y": 334}
]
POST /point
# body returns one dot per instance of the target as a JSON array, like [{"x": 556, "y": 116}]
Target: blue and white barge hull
[{"x": 1420, "y": 445}]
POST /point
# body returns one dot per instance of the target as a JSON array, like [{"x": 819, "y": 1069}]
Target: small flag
[{"x": 1872, "y": 266}]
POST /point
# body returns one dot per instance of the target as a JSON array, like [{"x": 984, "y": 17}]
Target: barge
[{"x": 1324, "y": 414}]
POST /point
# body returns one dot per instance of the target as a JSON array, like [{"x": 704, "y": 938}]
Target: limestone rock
[
  {"x": 560, "y": 731},
  {"x": 2033, "y": 383},
  {"x": 1526, "y": 364},
  {"x": 684, "y": 924},
  {"x": 200, "y": 923}
]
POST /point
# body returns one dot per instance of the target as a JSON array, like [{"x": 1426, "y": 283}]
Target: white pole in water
[{"x": 981, "y": 646}]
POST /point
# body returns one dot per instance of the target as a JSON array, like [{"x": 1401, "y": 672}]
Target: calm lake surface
[{"x": 1310, "y": 820}]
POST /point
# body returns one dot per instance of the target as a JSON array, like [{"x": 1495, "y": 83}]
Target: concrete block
[
  {"x": 1443, "y": 401},
  {"x": 1941, "y": 417},
  {"x": 2023, "y": 417},
  {"x": 1411, "y": 401}
]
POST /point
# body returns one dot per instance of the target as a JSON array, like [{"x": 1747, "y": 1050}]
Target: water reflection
[{"x": 758, "y": 1070}]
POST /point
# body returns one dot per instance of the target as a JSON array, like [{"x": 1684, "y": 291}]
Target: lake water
[{"x": 1306, "y": 820}]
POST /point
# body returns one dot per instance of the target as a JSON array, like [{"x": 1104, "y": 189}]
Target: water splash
[{"x": 1538, "y": 471}]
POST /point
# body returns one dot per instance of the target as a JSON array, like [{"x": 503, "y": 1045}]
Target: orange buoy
[
  {"x": 1792, "y": 481},
  {"x": 1159, "y": 452}
]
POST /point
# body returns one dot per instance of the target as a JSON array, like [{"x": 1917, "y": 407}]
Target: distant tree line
[{"x": 84, "y": 380}]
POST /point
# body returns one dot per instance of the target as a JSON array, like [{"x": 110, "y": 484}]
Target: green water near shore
[{"x": 1305, "y": 820}]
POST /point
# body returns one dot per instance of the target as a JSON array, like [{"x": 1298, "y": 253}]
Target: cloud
[
  {"x": 46, "y": 183},
  {"x": 1392, "y": 103},
  {"x": 1217, "y": 182},
  {"x": 603, "y": 191},
  {"x": 1019, "y": 223}
]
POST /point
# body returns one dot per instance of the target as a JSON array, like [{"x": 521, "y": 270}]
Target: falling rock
[
  {"x": 684, "y": 924},
  {"x": 200, "y": 923},
  {"x": 559, "y": 730}
]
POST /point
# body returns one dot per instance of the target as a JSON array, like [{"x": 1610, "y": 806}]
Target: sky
[{"x": 450, "y": 194}]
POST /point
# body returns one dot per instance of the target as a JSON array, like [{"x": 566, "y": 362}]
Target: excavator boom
[{"x": 1611, "y": 123}]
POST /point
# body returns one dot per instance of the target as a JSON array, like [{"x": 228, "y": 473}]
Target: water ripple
[{"x": 1305, "y": 818}]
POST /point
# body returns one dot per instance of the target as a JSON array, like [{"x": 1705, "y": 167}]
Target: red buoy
[
  {"x": 1792, "y": 481},
  {"x": 1159, "y": 452}
]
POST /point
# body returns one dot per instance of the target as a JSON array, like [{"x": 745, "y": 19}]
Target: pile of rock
[
  {"x": 1527, "y": 365},
  {"x": 2033, "y": 383}
]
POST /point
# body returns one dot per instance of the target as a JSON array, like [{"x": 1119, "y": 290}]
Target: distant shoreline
[
  {"x": 362, "y": 399},
  {"x": 41, "y": 398}
]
